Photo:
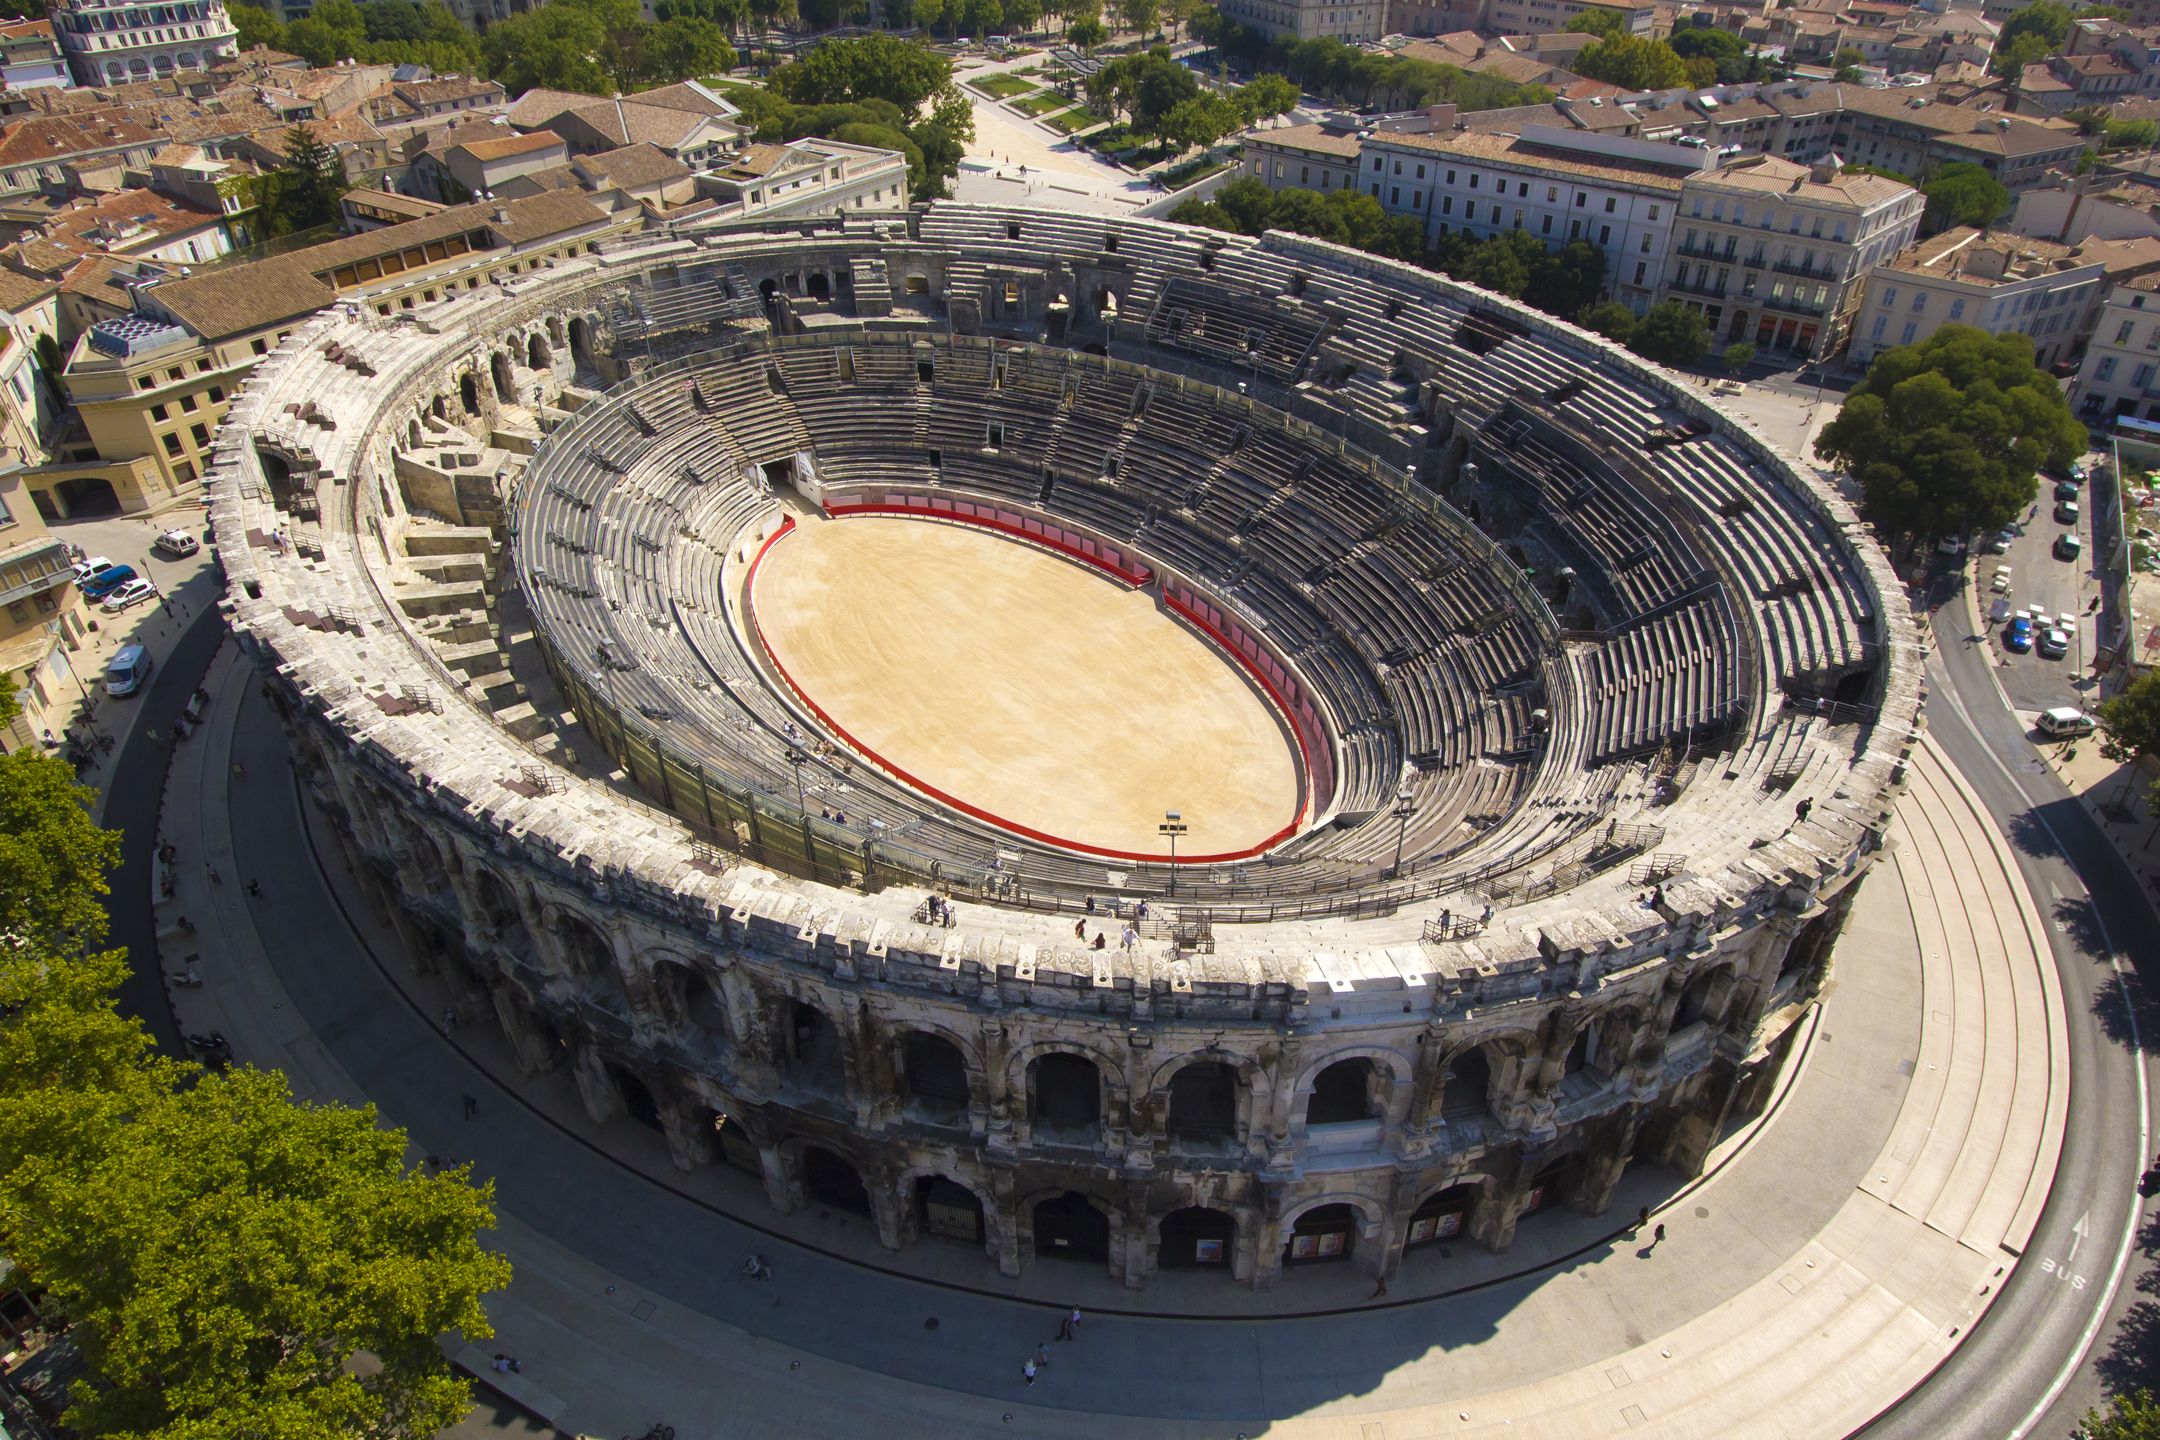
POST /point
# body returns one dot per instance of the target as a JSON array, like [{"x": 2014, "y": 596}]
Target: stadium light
[
  {"x": 1405, "y": 807},
  {"x": 1173, "y": 825}
]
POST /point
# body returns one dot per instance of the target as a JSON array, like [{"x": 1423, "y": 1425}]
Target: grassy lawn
[
  {"x": 1072, "y": 120},
  {"x": 1003, "y": 87},
  {"x": 1110, "y": 140},
  {"x": 1184, "y": 175},
  {"x": 1039, "y": 105}
]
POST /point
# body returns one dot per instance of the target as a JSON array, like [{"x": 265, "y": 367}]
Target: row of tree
[
  {"x": 1159, "y": 97},
  {"x": 229, "y": 1261},
  {"x": 872, "y": 89},
  {"x": 1350, "y": 76}
]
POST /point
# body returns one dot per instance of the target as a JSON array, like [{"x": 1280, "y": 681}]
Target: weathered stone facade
[{"x": 1344, "y": 1087}]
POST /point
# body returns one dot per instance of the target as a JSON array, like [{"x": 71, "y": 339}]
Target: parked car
[
  {"x": 2064, "y": 723},
  {"x": 1950, "y": 545},
  {"x": 1999, "y": 542},
  {"x": 2065, "y": 490},
  {"x": 2019, "y": 635},
  {"x": 2053, "y": 644},
  {"x": 176, "y": 543},
  {"x": 133, "y": 593},
  {"x": 2078, "y": 471},
  {"x": 111, "y": 578},
  {"x": 2066, "y": 512},
  {"x": 84, "y": 569},
  {"x": 2068, "y": 546}
]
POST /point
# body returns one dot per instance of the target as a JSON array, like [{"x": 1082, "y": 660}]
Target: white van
[
  {"x": 129, "y": 670},
  {"x": 2063, "y": 722}
]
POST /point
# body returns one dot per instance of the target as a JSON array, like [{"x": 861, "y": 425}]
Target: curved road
[{"x": 2027, "y": 1369}]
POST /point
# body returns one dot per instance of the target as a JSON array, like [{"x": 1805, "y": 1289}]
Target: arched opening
[
  {"x": 1554, "y": 1186},
  {"x": 1326, "y": 1232},
  {"x": 936, "y": 1076},
  {"x": 1069, "y": 1227},
  {"x": 691, "y": 997},
  {"x": 810, "y": 1046},
  {"x": 1442, "y": 1216},
  {"x": 1196, "y": 1238},
  {"x": 736, "y": 1146},
  {"x": 580, "y": 340},
  {"x": 499, "y": 368},
  {"x": 555, "y": 331},
  {"x": 1345, "y": 1092},
  {"x": 948, "y": 1209},
  {"x": 830, "y": 1180},
  {"x": 638, "y": 1101},
  {"x": 1694, "y": 1006},
  {"x": 498, "y": 911},
  {"x": 439, "y": 407},
  {"x": 87, "y": 496},
  {"x": 1466, "y": 1094},
  {"x": 584, "y": 948},
  {"x": 1064, "y": 1099},
  {"x": 1203, "y": 1104},
  {"x": 820, "y": 287},
  {"x": 767, "y": 289},
  {"x": 536, "y": 352},
  {"x": 469, "y": 393}
]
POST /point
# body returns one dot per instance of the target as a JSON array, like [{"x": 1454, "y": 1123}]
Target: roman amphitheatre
[{"x": 1049, "y": 737}]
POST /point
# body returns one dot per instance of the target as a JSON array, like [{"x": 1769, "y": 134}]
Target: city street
[{"x": 2042, "y": 581}]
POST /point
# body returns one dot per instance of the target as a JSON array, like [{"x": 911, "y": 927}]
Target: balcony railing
[
  {"x": 1706, "y": 252},
  {"x": 1791, "y": 304},
  {"x": 1807, "y": 272},
  {"x": 1689, "y": 287}
]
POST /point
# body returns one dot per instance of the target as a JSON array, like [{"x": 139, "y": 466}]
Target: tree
[
  {"x": 1962, "y": 194},
  {"x": 2130, "y": 734},
  {"x": 1086, "y": 33},
  {"x": 1022, "y": 17},
  {"x": 331, "y": 31},
  {"x": 1199, "y": 122},
  {"x": 1738, "y": 356},
  {"x": 257, "y": 26},
  {"x": 1633, "y": 64},
  {"x": 1563, "y": 281},
  {"x": 53, "y": 857},
  {"x": 2043, "y": 20},
  {"x": 1609, "y": 318},
  {"x": 1945, "y": 436},
  {"x": 1602, "y": 23},
  {"x": 2132, "y": 134},
  {"x": 2135, "y": 1416},
  {"x": 304, "y": 192},
  {"x": 1266, "y": 96},
  {"x": 1671, "y": 334},
  {"x": 562, "y": 46},
  {"x": 1735, "y": 59},
  {"x": 1137, "y": 16},
  {"x": 686, "y": 48}
]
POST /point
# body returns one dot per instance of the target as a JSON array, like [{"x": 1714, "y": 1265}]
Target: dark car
[
  {"x": 2066, "y": 512},
  {"x": 2064, "y": 490},
  {"x": 98, "y": 586}
]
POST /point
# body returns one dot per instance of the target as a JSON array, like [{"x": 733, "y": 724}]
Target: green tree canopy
[
  {"x": 304, "y": 192},
  {"x": 2128, "y": 1417},
  {"x": 567, "y": 45},
  {"x": 257, "y": 26},
  {"x": 1266, "y": 96},
  {"x": 1198, "y": 122},
  {"x": 1633, "y": 64},
  {"x": 1085, "y": 33},
  {"x": 1671, "y": 334},
  {"x": 53, "y": 858},
  {"x": 1962, "y": 194},
  {"x": 1609, "y": 318},
  {"x": 1945, "y": 436},
  {"x": 1326, "y": 66},
  {"x": 686, "y": 48}
]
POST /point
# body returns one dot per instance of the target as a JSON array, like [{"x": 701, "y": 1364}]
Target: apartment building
[
  {"x": 30, "y": 56},
  {"x": 1777, "y": 253},
  {"x": 1304, "y": 157},
  {"x": 1311, "y": 19},
  {"x": 41, "y": 619},
  {"x": 2120, "y": 374},
  {"x": 151, "y": 386},
  {"x": 1558, "y": 185},
  {"x": 114, "y": 40},
  {"x": 2002, "y": 283},
  {"x": 1546, "y": 17}
]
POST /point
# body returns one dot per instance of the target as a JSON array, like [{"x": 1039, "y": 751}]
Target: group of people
[
  {"x": 939, "y": 909},
  {"x": 1130, "y": 938},
  {"x": 1068, "y": 1329}
]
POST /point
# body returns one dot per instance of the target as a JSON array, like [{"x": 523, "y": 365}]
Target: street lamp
[
  {"x": 1405, "y": 807},
  {"x": 796, "y": 760},
  {"x": 1173, "y": 825}
]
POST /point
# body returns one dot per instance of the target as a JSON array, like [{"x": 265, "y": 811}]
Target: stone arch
[
  {"x": 828, "y": 1176},
  {"x": 1447, "y": 1210},
  {"x": 439, "y": 407},
  {"x": 810, "y": 1046},
  {"x": 1093, "y": 1194},
  {"x": 587, "y": 952},
  {"x": 581, "y": 340},
  {"x": 497, "y": 901},
  {"x": 499, "y": 370},
  {"x": 819, "y": 286},
  {"x": 938, "y": 1079},
  {"x": 688, "y": 995},
  {"x": 1310, "y": 1230},
  {"x": 1468, "y": 1078},
  {"x": 1375, "y": 1075},
  {"x": 469, "y": 392},
  {"x": 537, "y": 355},
  {"x": 1207, "y": 1099},
  {"x": 1065, "y": 1100},
  {"x": 927, "y": 1207},
  {"x": 412, "y": 434},
  {"x": 1704, "y": 994},
  {"x": 1195, "y": 1237},
  {"x": 1072, "y": 1225}
]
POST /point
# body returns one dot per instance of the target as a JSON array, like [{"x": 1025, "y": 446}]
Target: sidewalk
[{"x": 1822, "y": 1272}]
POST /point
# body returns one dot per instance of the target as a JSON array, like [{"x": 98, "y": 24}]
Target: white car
[
  {"x": 84, "y": 569},
  {"x": 2053, "y": 644},
  {"x": 129, "y": 595},
  {"x": 176, "y": 543}
]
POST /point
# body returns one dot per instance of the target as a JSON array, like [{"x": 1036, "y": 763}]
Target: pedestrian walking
[
  {"x": 1080, "y": 927},
  {"x": 1070, "y": 1329},
  {"x": 1130, "y": 938},
  {"x": 1042, "y": 1353},
  {"x": 1028, "y": 1370},
  {"x": 254, "y": 888},
  {"x": 472, "y": 1107},
  {"x": 449, "y": 1020},
  {"x": 215, "y": 878},
  {"x": 1642, "y": 1218},
  {"x": 1379, "y": 1288},
  {"x": 1657, "y": 1237}
]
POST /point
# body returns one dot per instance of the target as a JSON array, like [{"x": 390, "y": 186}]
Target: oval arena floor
[{"x": 1042, "y": 696}]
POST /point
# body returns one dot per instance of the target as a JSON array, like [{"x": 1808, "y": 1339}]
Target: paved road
[
  {"x": 2003, "y": 1380},
  {"x": 2042, "y": 582}
]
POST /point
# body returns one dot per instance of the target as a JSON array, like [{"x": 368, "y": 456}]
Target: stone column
[
  {"x": 596, "y": 1087},
  {"x": 529, "y": 1042},
  {"x": 689, "y": 1132},
  {"x": 1279, "y": 1144},
  {"x": 996, "y": 1120}
]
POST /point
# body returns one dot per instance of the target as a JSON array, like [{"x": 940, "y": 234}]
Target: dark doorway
[
  {"x": 937, "y": 1079},
  {"x": 1069, "y": 1227},
  {"x": 948, "y": 1209},
  {"x": 469, "y": 393},
  {"x": 1442, "y": 1216},
  {"x": 1203, "y": 1102},
  {"x": 637, "y": 1100},
  {"x": 820, "y": 287},
  {"x": 830, "y": 1180},
  {"x": 1328, "y": 1232},
  {"x": 1065, "y": 1093},
  {"x": 1196, "y": 1238},
  {"x": 1341, "y": 1093},
  {"x": 1469, "y": 1083},
  {"x": 811, "y": 1050}
]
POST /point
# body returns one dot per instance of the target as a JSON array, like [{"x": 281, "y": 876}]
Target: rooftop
[
  {"x": 1769, "y": 175},
  {"x": 1317, "y": 139},
  {"x": 1552, "y": 159}
]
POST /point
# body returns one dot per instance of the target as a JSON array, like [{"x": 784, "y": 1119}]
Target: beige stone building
[{"x": 41, "y": 618}]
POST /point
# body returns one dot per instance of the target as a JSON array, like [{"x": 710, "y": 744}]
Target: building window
[
  {"x": 1394, "y": 195},
  {"x": 1604, "y": 234},
  {"x": 2122, "y": 333},
  {"x": 189, "y": 404},
  {"x": 259, "y": 346},
  {"x": 1610, "y": 203},
  {"x": 157, "y": 413},
  {"x": 1545, "y": 226},
  {"x": 1640, "y": 268},
  {"x": 1919, "y": 302},
  {"x": 1889, "y": 298},
  {"x": 1957, "y": 310},
  {"x": 172, "y": 445},
  {"x": 200, "y": 434},
  {"x": 2106, "y": 370},
  {"x": 1882, "y": 323}
]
